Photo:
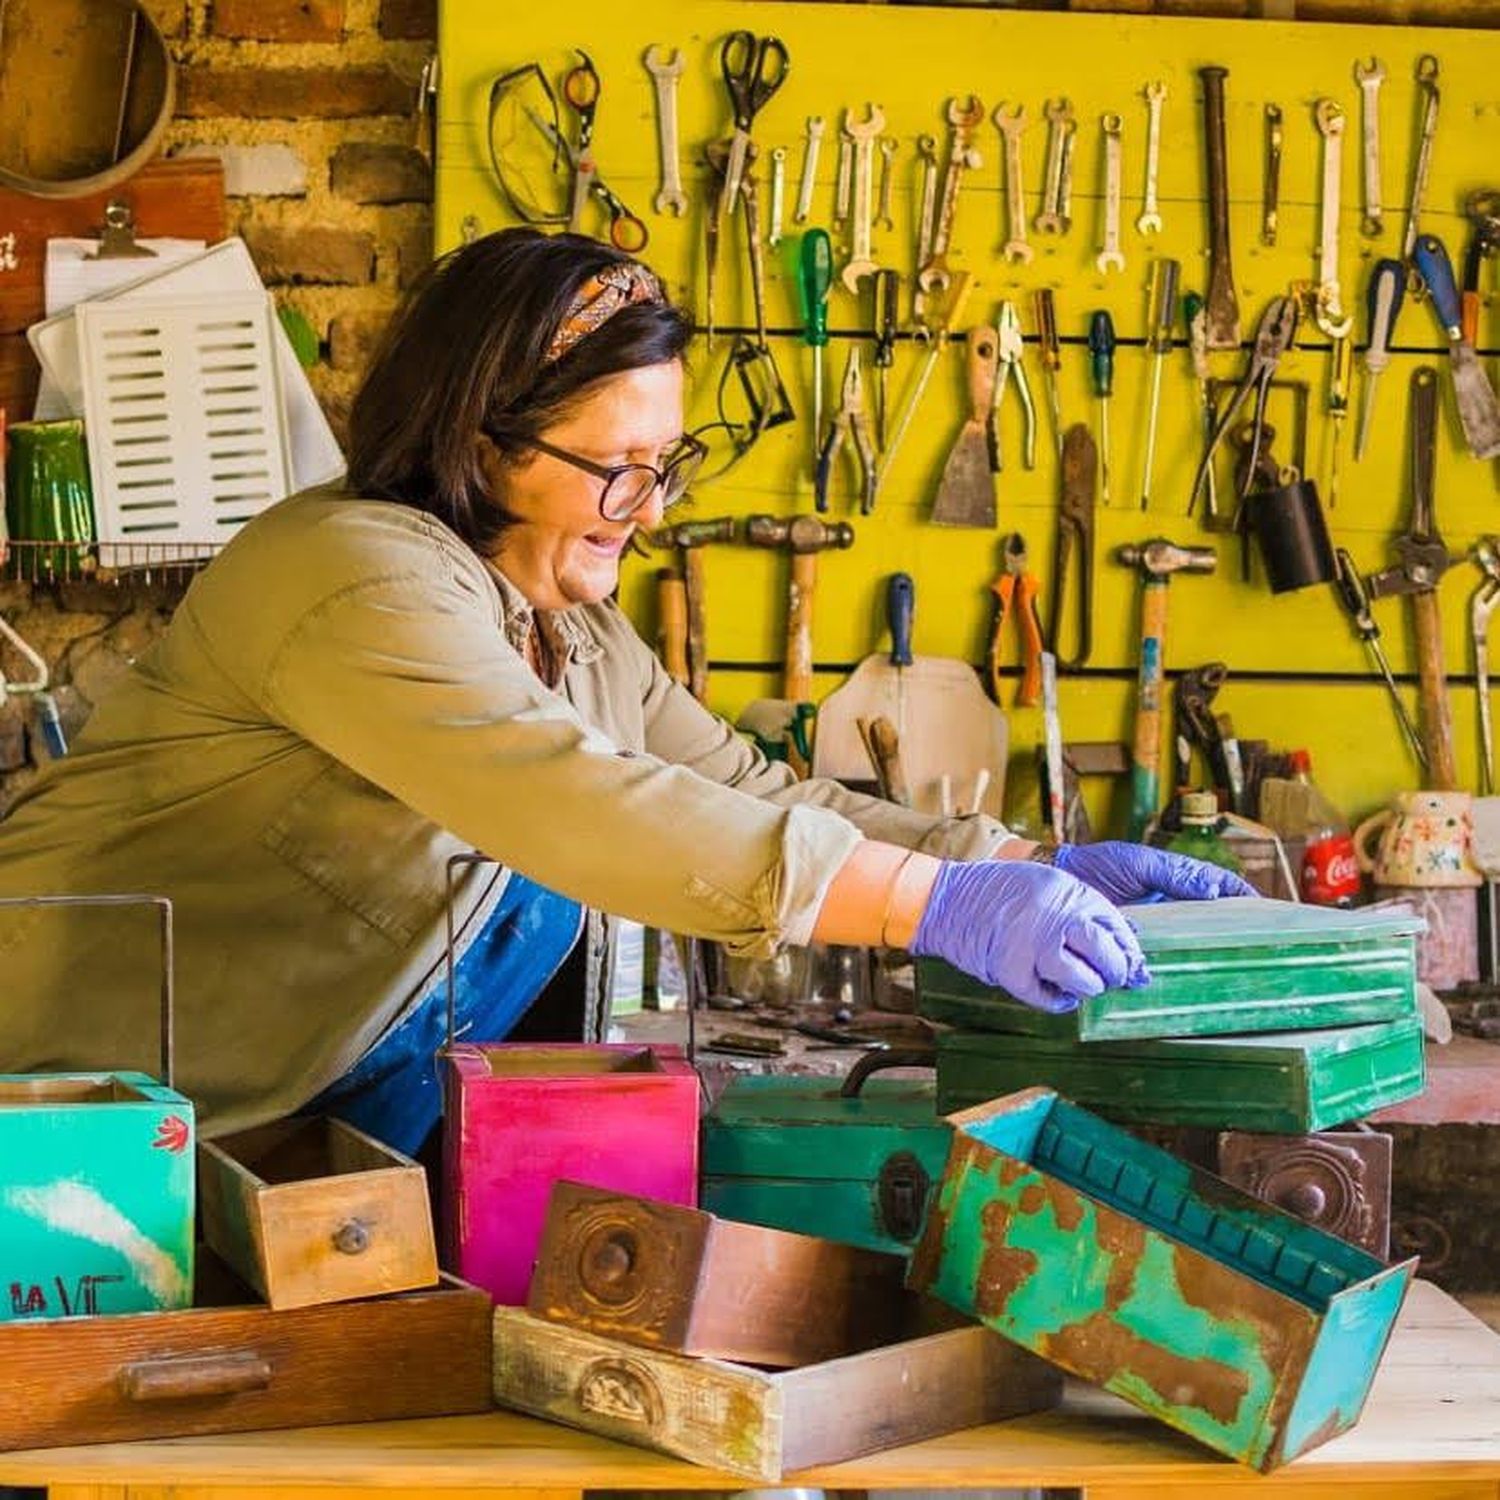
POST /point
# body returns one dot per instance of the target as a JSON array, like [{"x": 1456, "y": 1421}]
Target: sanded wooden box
[
  {"x": 229, "y": 1364},
  {"x": 311, "y": 1210},
  {"x": 676, "y": 1278},
  {"x": 765, "y": 1424}
]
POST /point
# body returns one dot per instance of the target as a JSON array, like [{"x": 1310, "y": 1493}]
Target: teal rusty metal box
[
  {"x": 1287, "y": 1083},
  {"x": 1218, "y": 968},
  {"x": 854, "y": 1164},
  {"x": 1221, "y": 1315},
  {"x": 96, "y": 1195}
]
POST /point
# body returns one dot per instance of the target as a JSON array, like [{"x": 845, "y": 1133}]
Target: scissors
[
  {"x": 581, "y": 90},
  {"x": 754, "y": 68},
  {"x": 626, "y": 231}
]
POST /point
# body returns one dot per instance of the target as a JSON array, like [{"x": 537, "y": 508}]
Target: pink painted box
[{"x": 522, "y": 1116}]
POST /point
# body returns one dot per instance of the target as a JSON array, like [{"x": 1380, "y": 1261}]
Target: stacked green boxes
[{"x": 1260, "y": 1015}]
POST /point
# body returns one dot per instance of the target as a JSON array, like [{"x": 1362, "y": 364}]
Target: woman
[{"x": 370, "y": 680}]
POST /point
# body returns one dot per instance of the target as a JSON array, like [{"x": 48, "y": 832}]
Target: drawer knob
[
  {"x": 198, "y": 1375},
  {"x": 352, "y": 1238}
]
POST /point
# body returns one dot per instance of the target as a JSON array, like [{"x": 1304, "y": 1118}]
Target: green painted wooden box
[
  {"x": 1218, "y": 968},
  {"x": 810, "y": 1155},
  {"x": 1221, "y": 1315},
  {"x": 1288, "y": 1083},
  {"x": 96, "y": 1195}
]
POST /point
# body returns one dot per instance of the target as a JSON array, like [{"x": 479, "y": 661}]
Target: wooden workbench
[{"x": 1431, "y": 1431}]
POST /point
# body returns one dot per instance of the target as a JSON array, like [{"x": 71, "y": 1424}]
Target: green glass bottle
[
  {"x": 1199, "y": 835},
  {"x": 48, "y": 496}
]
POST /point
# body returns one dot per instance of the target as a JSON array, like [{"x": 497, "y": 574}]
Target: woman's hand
[
  {"x": 1127, "y": 873},
  {"x": 1033, "y": 931}
]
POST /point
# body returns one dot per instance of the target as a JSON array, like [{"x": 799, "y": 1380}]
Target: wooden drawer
[
  {"x": 240, "y": 1368},
  {"x": 677, "y": 1278},
  {"x": 761, "y": 1423},
  {"x": 311, "y": 1210}
]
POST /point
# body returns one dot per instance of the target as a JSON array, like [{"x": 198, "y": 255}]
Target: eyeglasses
[{"x": 627, "y": 487}]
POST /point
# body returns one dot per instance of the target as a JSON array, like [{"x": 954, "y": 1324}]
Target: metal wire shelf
[{"x": 103, "y": 562}]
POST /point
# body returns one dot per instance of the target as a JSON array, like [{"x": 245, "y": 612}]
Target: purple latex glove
[
  {"x": 1127, "y": 873},
  {"x": 1033, "y": 931}
]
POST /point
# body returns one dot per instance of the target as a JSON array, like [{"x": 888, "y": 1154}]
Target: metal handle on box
[
  {"x": 197, "y": 1375},
  {"x": 878, "y": 1062},
  {"x": 163, "y": 907}
]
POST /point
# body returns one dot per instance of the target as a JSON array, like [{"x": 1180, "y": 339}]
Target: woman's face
[{"x": 560, "y": 550}]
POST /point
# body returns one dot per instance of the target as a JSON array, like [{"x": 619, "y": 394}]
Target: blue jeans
[{"x": 393, "y": 1092}]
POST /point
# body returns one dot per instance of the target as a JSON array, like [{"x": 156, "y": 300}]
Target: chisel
[
  {"x": 1102, "y": 371},
  {"x": 1478, "y": 411}
]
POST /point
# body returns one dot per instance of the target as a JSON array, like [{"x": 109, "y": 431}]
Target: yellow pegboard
[{"x": 910, "y": 61}]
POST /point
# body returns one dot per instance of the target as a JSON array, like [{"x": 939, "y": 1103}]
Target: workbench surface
[{"x": 1431, "y": 1428}]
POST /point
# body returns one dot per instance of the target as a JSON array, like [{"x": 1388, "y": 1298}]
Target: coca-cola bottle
[{"x": 1330, "y": 870}]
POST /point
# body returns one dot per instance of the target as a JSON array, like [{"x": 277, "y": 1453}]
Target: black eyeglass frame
[{"x": 694, "y": 452}]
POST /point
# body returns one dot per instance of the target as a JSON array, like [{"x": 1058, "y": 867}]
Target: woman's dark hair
[{"x": 466, "y": 354}]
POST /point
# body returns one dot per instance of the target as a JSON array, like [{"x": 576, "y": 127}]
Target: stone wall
[{"x": 310, "y": 106}]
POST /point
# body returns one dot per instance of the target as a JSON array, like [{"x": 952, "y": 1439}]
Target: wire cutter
[
  {"x": 849, "y": 422},
  {"x": 1017, "y": 588},
  {"x": 1012, "y": 345},
  {"x": 1276, "y": 334}
]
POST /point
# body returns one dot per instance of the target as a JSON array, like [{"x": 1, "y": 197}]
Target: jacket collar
[{"x": 563, "y": 629}]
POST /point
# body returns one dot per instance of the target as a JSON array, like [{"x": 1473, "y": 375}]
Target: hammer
[
  {"x": 1157, "y": 560},
  {"x": 804, "y": 537},
  {"x": 688, "y": 537}
]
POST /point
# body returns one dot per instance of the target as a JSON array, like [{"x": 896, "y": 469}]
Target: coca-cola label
[{"x": 1330, "y": 871}]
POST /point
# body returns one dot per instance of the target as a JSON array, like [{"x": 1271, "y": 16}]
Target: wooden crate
[
  {"x": 800, "y": 1154},
  {"x": 229, "y": 1365},
  {"x": 96, "y": 1195},
  {"x": 521, "y": 1117},
  {"x": 310, "y": 1210},
  {"x": 760, "y": 1423},
  {"x": 1291, "y": 1082},
  {"x": 1223, "y": 1316},
  {"x": 676, "y": 1278},
  {"x": 1218, "y": 968}
]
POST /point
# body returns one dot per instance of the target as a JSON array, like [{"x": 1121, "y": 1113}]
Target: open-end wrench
[
  {"x": 1369, "y": 76},
  {"x": 665, "y": 71},
  {"x": 809, "y": 168},
  {"x": 843, "y": 185},
  {"x": 964, "y": 118},
  {"x": 864, "y": 135},
  {"x": 885, "y": 215},
  {"x": 1109, "y": 258},
  {"x": 1148, "y": 221},
  {"x": 778, "y": 194},
  {"x": 1065, "y": 187},
  {"x": 1271, "y": 192},
  {"x": 1011, "y": 127},
  {"x": 927, "y": 213},
  {"x": 1223, "y": 304},
  {"x": 1059, "y": 126},
  {"x": 1427, "y": 77},
  {"x": 1329, "y": 312}
]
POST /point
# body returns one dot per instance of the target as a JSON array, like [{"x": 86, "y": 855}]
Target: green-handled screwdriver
[
  {"x": 1387, "y": 286},
  {"x": 1102, "y": 369},
  {"x": 817, "y": 278}
]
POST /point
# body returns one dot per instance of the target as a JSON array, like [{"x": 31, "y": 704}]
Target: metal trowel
[{"x": 966, "y": 494}]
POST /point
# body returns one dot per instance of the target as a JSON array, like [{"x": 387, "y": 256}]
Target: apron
[{"x": 394, "y": 1092}]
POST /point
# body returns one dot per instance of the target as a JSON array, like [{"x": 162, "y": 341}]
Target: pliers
[
  {"x": 1017, "y": 587},
  {"x": 1012, "y": 345},
  {"x": 1276, "y": 334},
  {"x": 849, "y": 421}
]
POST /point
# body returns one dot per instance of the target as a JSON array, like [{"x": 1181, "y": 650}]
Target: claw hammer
[{"x": 689, "y": 538}]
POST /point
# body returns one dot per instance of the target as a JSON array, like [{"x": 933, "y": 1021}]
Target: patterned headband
[{"x": 599, "y": 299}]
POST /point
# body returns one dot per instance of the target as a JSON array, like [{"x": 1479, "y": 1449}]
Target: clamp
[
  {"x": 850, "y": 422},
  {"x": 1017, "y": 588}
]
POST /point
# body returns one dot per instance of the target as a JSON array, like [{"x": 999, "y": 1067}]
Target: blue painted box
[
  {"x": 96, "y": 1195},
  {"x": 1221, "y": 1315}
]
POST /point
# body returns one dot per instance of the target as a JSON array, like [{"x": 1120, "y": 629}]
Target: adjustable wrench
[
  {"x": 963, "y": 119},
  {"x": 1427, "y": 77},
  {"x": 1015, "y": 249},
  {"x": 1109, "y": 258},
  {"x": 1148, "y": 221},
  {"x": 861, "y": 263},
  {"x": 664, "y": 74},
  {"x": 809, "y": 168},
  {"x": 1369, "y": 77},
  {"x": 885, "y": 216},
  {"x": 1059, "y": 127},
  {"x": 1329, "y": 312}
]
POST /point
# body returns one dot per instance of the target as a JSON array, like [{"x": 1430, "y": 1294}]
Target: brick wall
[{"x": 309, "y": 103}]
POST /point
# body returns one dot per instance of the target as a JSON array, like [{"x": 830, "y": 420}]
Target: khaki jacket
[{"x": 340, "y": 703}]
